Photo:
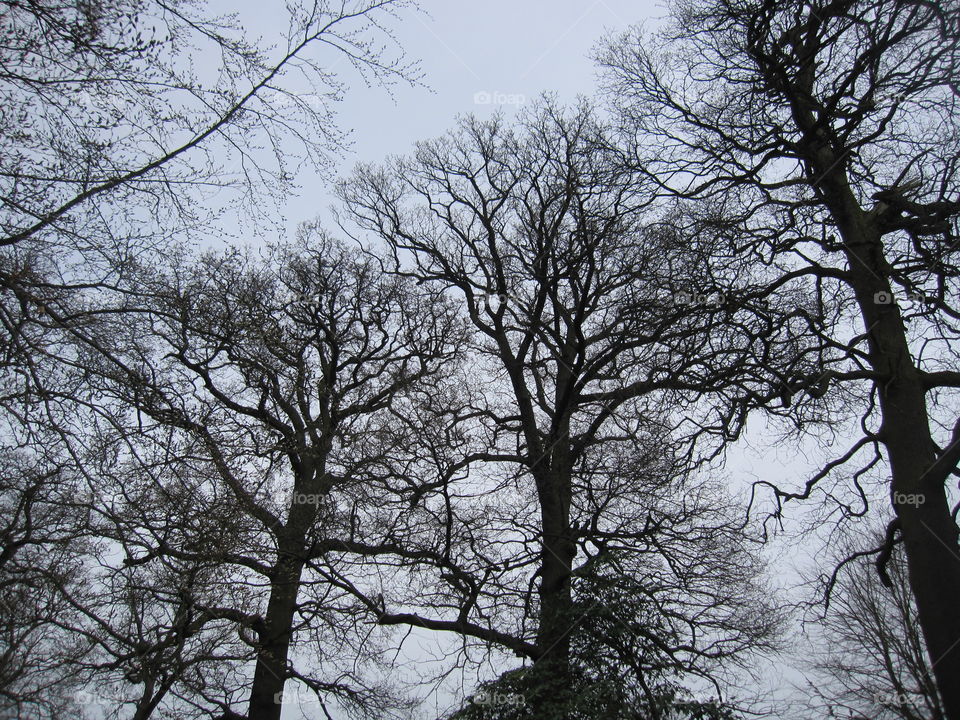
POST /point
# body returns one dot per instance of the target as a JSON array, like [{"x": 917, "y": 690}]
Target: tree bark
[
  {"x": 556, "y": 562},
  {"x": 266, "y": 701},
  {"x": 919, "y": 498},
  {"x": 557, "y": 618}
]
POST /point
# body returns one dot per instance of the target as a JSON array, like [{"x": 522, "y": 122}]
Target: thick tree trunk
[
  {"x": 270, "y": 674},
  {"x": 148, "y": 700},
  {"x": 556, "y": 600},
  {"x": 930, "y": 535},
  {"x": 271, "y": 670},
  {"x": 919, "y": 499},
  {"x": 557, "y": 618}
]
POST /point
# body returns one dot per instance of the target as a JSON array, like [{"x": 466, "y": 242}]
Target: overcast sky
[{"x": 475, "y": 57}]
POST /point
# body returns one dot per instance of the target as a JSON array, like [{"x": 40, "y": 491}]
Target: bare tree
[
  {"x": 243, "y": 423},
  {"x": 584, "y": 353},
  {"x": 42, "y": 551},
  {"x": 105, "y": 117},
  {"x": 870, "y": 659},
  {"x": 116, "y": 143},
  {"x": 817, "y": 141}
]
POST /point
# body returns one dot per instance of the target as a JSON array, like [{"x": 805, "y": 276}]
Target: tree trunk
[
  {"x": 556, "y": 600},
  {"x": 929, "y": 532},
  {"x": 557, "y": 619},
  {"x": 266, "y": 695},
  {"x": 270, "y": 675},
  {"x": 920, "y": 502}
]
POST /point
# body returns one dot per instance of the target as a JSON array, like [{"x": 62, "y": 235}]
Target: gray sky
[{"x": 476, "y": 57}]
